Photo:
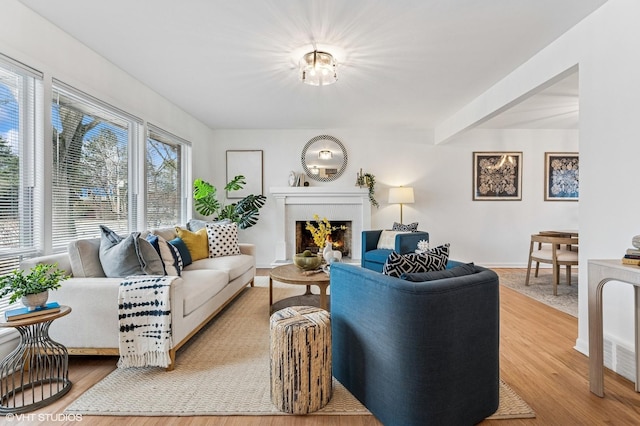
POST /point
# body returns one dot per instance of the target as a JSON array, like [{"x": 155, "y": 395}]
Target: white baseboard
[{"x": 617, "y": 356}]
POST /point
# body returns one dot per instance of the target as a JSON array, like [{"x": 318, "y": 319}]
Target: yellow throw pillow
[{"x": 197, "y": 242}]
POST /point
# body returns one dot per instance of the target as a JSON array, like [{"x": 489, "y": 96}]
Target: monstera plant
[{"x": 244, "y": 212}]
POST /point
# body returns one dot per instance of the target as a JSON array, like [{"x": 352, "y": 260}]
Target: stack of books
[
  {"x": 632, "y": 257},
  {"x": 23, "y": 313}
]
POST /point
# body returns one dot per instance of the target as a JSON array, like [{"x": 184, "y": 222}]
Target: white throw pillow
[
  {"x": 223, "y": 239},
  {"x": 388, "y": 239}
]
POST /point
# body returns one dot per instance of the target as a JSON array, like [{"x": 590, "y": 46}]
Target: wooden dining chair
[{"x": 558, "y": 250}]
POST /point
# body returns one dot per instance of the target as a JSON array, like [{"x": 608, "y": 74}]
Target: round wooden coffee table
[{"x": 291, "y": 274}]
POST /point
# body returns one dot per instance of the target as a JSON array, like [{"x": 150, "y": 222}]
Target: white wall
[
  {"x": 605, "y": 47},
  {"x": 609, "y": 111},
  {"x": 491, "y": 233}
]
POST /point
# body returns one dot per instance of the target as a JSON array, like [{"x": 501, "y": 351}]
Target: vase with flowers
[{"x": 321, "y": 233}]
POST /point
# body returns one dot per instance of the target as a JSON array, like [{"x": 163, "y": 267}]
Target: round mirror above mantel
[{"x": 324, "y": 158}]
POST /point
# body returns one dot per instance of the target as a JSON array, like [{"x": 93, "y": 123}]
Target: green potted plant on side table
[{"x": 32, "y": 287}]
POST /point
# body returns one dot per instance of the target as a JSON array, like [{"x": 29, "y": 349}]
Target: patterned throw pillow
[
  {"x": 412, "y": 227},
  {"x": 223, "y": 239},
  {"x": 177, "y": 258},
  {"x": 196, "y": 242},
  {"x": 167, "y": 254},
  {"x": 432, "y": 260},
  {"x": 182, "y": 250}
]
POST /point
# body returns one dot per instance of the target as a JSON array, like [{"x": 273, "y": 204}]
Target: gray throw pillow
[
  {"x": 456, "y": 271},
  {"x": 130, "y": 255}
]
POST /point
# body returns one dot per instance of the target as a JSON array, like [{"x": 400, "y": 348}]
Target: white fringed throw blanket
[{"x": 144, "y": 316}]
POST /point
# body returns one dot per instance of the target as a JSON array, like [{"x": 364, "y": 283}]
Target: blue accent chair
[
  {"x": 417, "y": 353},
  {"x": 373, "y": 258}
]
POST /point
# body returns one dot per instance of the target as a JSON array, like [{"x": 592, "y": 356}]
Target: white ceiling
[{"x": 403, "y": 63}]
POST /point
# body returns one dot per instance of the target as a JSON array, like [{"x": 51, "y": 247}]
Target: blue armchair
[
  {"x": 417, "y": 353},
  {"x": 373, "y": 258}
]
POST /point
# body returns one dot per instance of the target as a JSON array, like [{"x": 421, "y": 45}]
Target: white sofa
[{"x": 204, "y": 289}]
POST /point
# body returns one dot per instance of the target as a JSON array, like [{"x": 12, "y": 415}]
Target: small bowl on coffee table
[{"x": 307, "y": 263}]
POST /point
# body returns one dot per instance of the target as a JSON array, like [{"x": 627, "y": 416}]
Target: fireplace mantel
[{"x": 301, "y": 203}]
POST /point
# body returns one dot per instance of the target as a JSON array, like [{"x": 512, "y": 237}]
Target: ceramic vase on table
[{"x": 32, "y": 301}]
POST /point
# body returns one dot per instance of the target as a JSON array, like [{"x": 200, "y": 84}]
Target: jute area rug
[
  {"x": 541, "y": 288},
  {"x": 224, "y": 370}
]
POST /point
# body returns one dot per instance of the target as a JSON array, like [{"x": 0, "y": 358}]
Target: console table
[{"x": 601, "y": 272}]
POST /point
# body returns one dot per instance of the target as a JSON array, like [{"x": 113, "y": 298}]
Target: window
[
  {"x": 93, "y": 152},
  {"x": 165, "y": 178},
  {"x": 20, "y": 89},
  {"x": 100, "y": 169}
]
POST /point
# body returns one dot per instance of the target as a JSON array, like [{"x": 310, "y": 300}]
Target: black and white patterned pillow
[
  {"x": 177, "y": 259},
  {"x": 223, "y": 239},
  {"x": 431, "y": 260},
  {"x": 412, "y": 227}
]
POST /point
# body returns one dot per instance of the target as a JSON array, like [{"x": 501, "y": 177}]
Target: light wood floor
[{"x": 537, "y": 360}]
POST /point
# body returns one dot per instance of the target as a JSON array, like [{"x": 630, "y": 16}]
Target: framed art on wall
[
  {"x": 561, "y": 176},
  {"x": 247, "y": 163},
  {"x": 497, "y": 176}
]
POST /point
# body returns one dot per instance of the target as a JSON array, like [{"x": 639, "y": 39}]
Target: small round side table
[{"x": 36, "y": 373}]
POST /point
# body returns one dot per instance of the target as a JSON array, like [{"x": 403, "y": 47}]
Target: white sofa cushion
[
  {"x": 234, "y": 266},
  {"x": 201, "y": 285},
  {"x": 85, "y": 258}
]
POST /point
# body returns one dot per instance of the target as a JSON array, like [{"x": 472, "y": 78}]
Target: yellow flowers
[{"x": 323, "y": 230}]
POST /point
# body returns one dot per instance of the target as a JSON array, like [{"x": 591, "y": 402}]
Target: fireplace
[
  {"x": 341, "y": 238},
  {"x": 299, "y": 204}
]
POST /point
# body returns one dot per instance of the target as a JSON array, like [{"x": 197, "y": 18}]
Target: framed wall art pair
[{"x": 498, "y": 176}]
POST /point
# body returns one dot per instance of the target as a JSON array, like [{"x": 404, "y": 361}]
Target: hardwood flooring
[{"x": 537, "y": 360}]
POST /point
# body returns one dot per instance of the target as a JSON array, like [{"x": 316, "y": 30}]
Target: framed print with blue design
[
  {"x": 497, "y": 176},
  {"x": 561, "y": 176}
]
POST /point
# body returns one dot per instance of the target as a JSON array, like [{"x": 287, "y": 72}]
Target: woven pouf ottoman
[{"x": 300, "y": 359}]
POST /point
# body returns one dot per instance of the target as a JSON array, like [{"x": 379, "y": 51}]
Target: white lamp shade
[{"x": 402, "y": 195}]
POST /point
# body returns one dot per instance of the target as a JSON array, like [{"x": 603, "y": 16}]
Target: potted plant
[
  {"x": 32, "y": 287},
  {"x": 368, "y": 180},
  {"x": 245, "y": 212}
]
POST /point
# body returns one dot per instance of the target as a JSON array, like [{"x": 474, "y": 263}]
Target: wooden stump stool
[{"x": 300, "y": 359}]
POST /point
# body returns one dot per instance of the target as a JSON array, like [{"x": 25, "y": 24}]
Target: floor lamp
[{"x": 401, "y": 195}]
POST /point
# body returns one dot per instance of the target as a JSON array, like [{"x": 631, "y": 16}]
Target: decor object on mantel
[
  {"x": 244, "y": 212},
  {"x": 32, "y": 287},
  {"x": 401, "y": 195},
  {"x": 368, "y": 180}
]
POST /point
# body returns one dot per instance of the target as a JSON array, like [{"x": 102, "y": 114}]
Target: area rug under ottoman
[{"x": 224, "y": 371}]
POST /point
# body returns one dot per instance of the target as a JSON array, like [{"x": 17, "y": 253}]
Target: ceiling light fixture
[
  {"x": 318, "y": 68},
  {"x": 325, "y": 154}
]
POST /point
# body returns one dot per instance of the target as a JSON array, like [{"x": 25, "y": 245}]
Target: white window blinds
[
  {"x": 165, "y": 178},
  {"x": 92, "y": 182},
  {"x": 20, "y": 128}
]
